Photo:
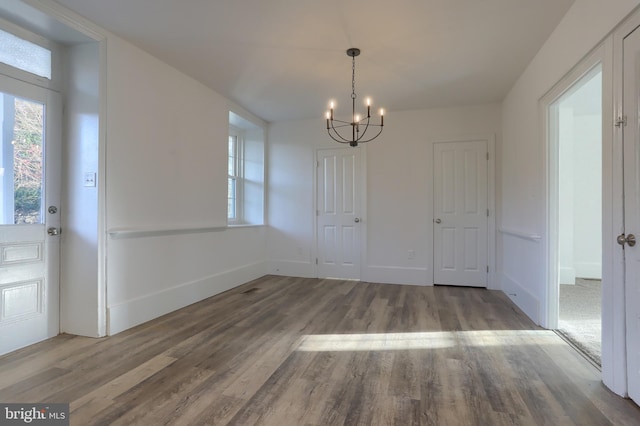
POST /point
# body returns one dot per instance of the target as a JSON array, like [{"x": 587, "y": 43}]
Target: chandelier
[{"x": 358, "y": 124}]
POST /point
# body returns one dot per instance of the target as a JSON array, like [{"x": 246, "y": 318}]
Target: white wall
[
  {"x": 580, "y": 175},
  {"x": 587, "y": 196},
  {"x": 523, "y": 181},
  {"x": 167, "y": 169},
  {"x": 566, "y": 187},
  {"x": 399, "y": 210},
  {"x": 79, "y": 306}
]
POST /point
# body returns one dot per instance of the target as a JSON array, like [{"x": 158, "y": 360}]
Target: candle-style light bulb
[
  {"x": 328, "y": 115},
  {"x": 357, "y": 118},
  {"x": 381, "y": 117},
  {"x": 368, "y": 101},
  {"x": 331, "y": 105},
  {"x": 368, "y": 107}
]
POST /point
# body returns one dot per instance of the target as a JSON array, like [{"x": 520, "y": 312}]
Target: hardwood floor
[{"x": 293, "y": 351}]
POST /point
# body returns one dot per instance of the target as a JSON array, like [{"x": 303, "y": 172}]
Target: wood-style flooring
[{"x": 292, "y": 351}]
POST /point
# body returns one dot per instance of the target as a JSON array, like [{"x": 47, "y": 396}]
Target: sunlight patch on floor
[{"x": 424, "y": 340}]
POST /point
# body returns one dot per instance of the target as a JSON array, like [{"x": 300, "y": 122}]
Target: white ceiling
[{"x": 284, "y": 59}]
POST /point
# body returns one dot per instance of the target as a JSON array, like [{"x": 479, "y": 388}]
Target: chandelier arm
[
  {"x": 372, "y": 138},
  {"x": 338, "y": 135},
  {"x": 366, "y": 126},
  {"x": 337, "y": 140},
  {"x": 341, "y": 126},
  {"x": 346, "y": 123}
]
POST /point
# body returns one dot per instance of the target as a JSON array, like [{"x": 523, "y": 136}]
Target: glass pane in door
[{"x": 21, "y": 160}]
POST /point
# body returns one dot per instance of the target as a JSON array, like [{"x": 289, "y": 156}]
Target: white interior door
[
  {"x": 631, "y": 136},
  {"x": 338, "y": 207},
  {"x": 29, "y": 184},
  {"x": 460, "y": 213}
]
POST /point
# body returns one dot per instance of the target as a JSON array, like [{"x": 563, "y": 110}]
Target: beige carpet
[{"x": 580, "y": 319}]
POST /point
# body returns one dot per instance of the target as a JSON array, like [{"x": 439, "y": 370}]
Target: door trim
[
  {"x": 613, "y": 313},
  {"x": 76, "y": 22},
  {"x": 550, "y": 306},
  {"x": 362, "y": 182},
  {"x": 492, "y": 283}
]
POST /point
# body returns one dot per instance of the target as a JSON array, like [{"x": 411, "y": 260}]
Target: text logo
[{"x": 34, "y": 414}]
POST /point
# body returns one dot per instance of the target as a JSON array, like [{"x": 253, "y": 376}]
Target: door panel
[
  {"x": 460, "y": 213},
  {"x": 29, "y": 183},
  {"x": 338, "y": 201},
  {"x": 631, "y": 85}
]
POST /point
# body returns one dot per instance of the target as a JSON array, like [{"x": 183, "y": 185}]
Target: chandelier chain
[{"x": 353, "y": 77}]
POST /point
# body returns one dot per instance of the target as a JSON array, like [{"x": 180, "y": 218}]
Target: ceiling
[{"x": 285, "y": 59}]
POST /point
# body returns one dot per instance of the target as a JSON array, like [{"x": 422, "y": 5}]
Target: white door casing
[
  {"x": 29, "y": 257},
  {"x": 338, "y": 204},
  {"x": 631, "y": 138},
  {"x": 461, "y": 213}
]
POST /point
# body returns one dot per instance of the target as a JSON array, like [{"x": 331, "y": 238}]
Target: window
[
  {"x": 25, "y": 55},
  {"x": 234, "y": 189},
  {"x": 24, "y": 65},
  {"x": 245, "y": 186},
  {"x": 21, "y": 160}
]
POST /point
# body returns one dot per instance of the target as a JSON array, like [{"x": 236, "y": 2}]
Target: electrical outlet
[{"x": 90, "y": 179}]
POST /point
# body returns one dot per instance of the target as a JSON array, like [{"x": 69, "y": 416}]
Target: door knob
[
  {"x": 53, "y": 231},
  {"x": 629, "y": 239},
  {"x": 437, "y": 221},
  {"x": 356, "y": 220}
]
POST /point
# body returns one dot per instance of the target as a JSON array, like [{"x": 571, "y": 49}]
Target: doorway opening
[{"x": 575, "y": 133}]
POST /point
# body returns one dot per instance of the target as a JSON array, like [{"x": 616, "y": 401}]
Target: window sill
[{"x": 243, "y": 225}]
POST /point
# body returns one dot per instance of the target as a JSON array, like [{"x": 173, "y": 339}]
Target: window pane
[
  {"x": 232, "y": 155},
  {"x": 231, "y": 201},
  {"x": 25, "y": 55},
  {"x": 21, "y": 161},
  {"x": 232, "y": 166}
]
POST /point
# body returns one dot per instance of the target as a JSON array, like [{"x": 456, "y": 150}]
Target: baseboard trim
[
  {"x": 396, "y": 275},
  {"x": 370, "y": 273},
  {"x": 592, "y": 270},
  {"x": 125, "y": 315},
  {"x": 529, "y": 304},
  {"x": 291, "y": 268}
]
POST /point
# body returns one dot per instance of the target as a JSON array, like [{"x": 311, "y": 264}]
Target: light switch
[{"x": 90, "y": 179}]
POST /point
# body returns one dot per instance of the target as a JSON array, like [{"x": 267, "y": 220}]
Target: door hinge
[
  {"x": 487, "y": 269},
  {"x": 487, "y": 212},
  {"x": 487, "y": 156},
  {"x": 317, "y": 212},
  {"x": 316, "y": 260},
  {"x": 317, "y": 163},
  {"x": 621, "y": 121}
]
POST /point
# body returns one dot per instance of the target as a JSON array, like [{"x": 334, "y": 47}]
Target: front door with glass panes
[{"x": 30, "y": 161}]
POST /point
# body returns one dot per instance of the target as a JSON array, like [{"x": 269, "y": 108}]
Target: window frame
[
  {"x": 238, "y": 177},
  {"x": 26, "y": 76}
]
